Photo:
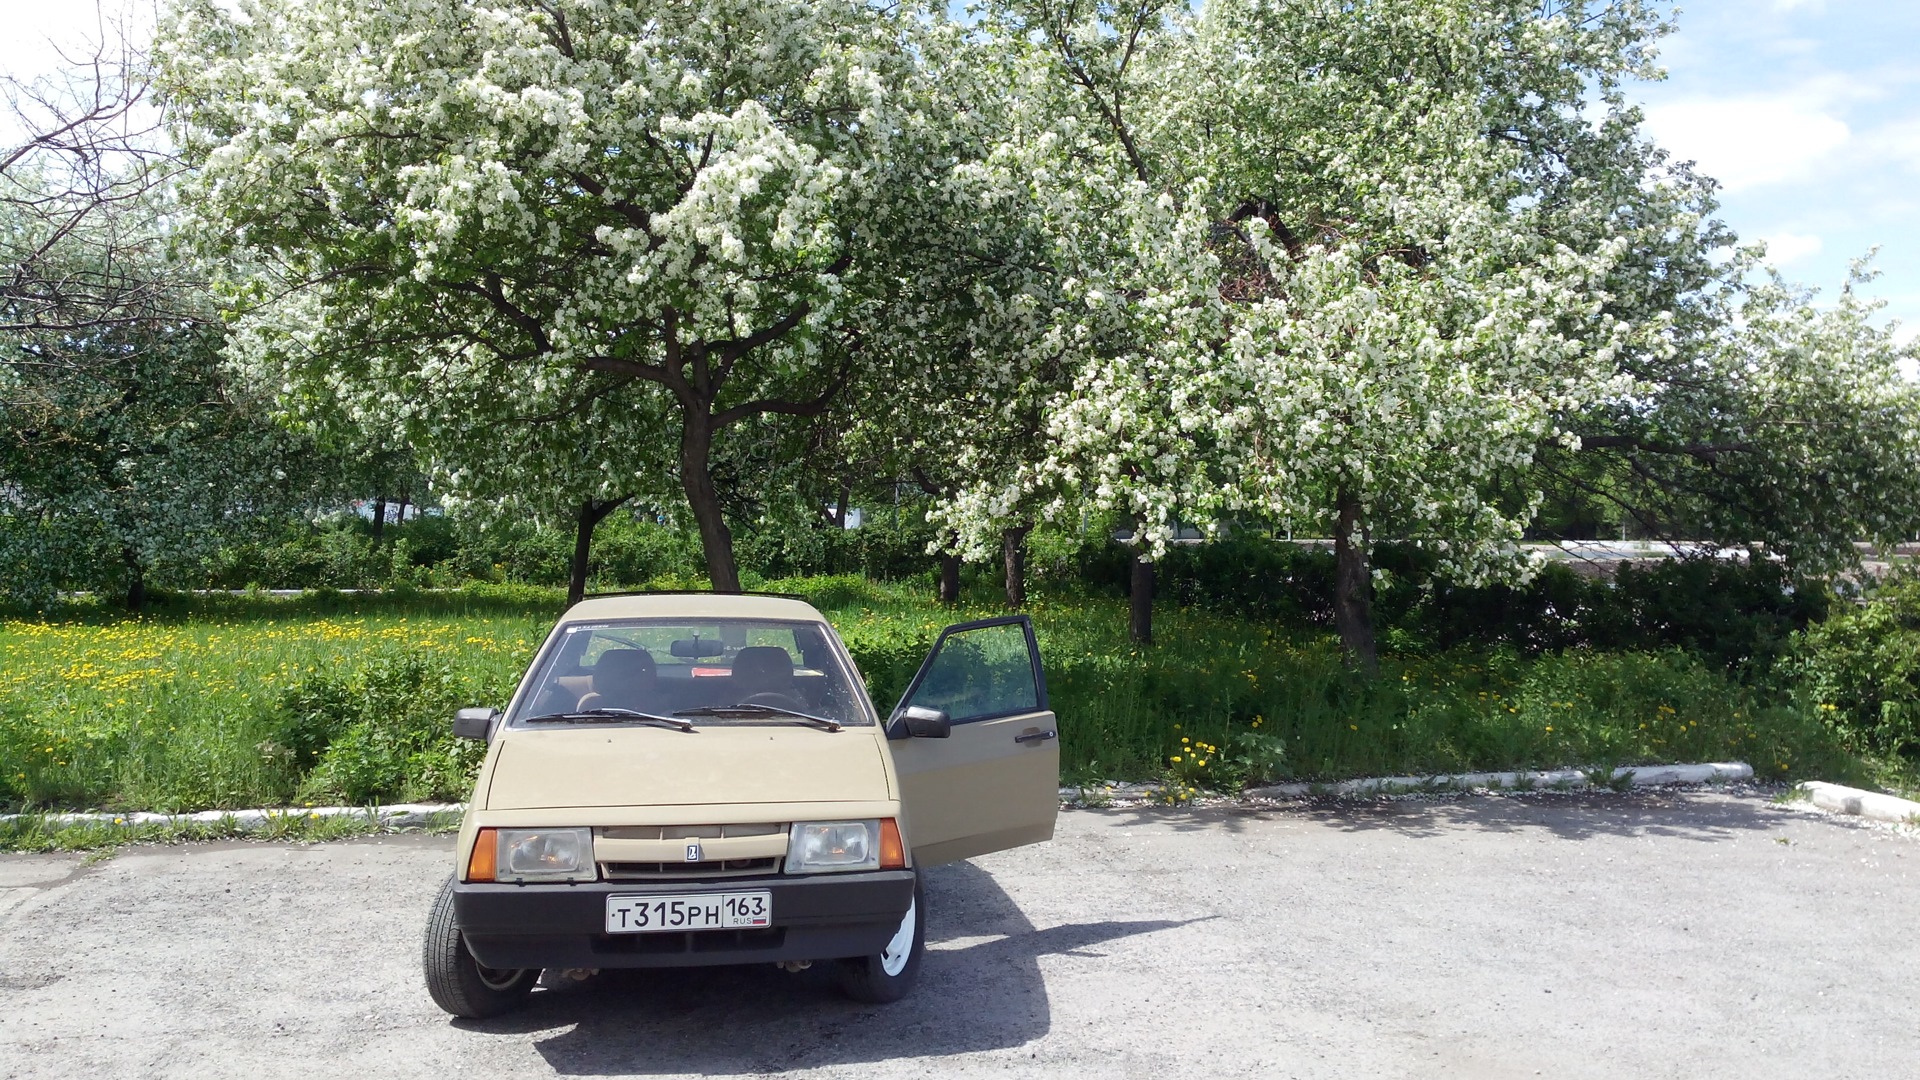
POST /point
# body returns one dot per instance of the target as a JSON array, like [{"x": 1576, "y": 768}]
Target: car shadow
[
  {"x": 1685, "y": 815},
  {"x": 980, "y": 988}
]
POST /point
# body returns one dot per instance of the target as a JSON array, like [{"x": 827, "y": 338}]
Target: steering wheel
[{"x": 776, "y": 700}]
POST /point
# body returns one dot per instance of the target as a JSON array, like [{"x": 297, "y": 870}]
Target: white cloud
[
  {"x": 1789, "y": 247},
  {"x": 1816, "y": 6},
  {"x": 1748, "y": 142},
  {"x": 1898, "y": 142}
]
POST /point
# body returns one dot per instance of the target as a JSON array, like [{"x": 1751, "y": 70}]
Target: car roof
[{"x": 669, "y": 605}]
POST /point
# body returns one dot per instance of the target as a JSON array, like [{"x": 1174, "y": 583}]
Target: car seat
[
  {"x": 760, "y": 670},
  {"x": 623, "y": 679}
]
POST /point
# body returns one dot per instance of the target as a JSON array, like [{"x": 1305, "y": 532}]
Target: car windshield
[{"x": 701, "y": 667}]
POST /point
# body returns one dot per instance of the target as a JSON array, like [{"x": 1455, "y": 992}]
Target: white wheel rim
[{"x": 893, "y": 959}]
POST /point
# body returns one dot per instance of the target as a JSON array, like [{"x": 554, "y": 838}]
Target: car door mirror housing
[
  {"x": 475, "y": 723},
  {"x": 920, "y": 722}
]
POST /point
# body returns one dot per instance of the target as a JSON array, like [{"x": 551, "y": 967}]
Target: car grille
[
  {"x": 658, "y": 852},
  {"x": 706, "y": 868}
]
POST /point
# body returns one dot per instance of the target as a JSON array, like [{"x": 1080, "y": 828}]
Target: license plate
[{"x": 692, "y": 911}]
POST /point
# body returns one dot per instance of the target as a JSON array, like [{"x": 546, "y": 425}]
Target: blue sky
[{"x": 1808, "y": 113}]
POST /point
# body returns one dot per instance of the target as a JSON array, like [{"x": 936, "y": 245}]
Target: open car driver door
[{"x": 993, "y": 780}]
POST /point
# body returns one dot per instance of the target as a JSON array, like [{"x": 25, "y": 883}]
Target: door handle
[{"x": 1035, "y": 736}]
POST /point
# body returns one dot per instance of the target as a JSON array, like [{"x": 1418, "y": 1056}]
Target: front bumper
[{"x": 819, "y": 917}]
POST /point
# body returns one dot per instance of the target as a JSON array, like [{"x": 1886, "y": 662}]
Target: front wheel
[
  {"x": 458, "y": 982},
  {"x": 888, "y": 975}
]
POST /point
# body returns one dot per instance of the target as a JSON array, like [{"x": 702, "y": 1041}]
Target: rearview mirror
[
  {"x": 474, "y": 723},
  {"x": 925, "y": 723},
  {"x": 697, "y": 648}
]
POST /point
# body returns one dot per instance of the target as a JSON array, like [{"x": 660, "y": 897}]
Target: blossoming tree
[{"x": 711, "y": 203}]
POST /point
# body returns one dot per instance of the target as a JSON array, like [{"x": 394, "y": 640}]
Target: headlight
[
  {"x": 546, "y": 855},
  {"x": 833, "y": 845}
]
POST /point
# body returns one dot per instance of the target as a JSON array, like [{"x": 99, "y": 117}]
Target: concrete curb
[
  {"x": 414, "y": 815},
  {"x": 1867, "y": 804},
  {"x": 1549, "y": 779},
  {"x": 395, "y": 816}
]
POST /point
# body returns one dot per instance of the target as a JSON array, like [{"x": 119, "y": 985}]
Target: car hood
[{"x": 540, "y": 768}]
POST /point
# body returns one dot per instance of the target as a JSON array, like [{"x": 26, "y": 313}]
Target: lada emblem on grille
[{"x": 693, "y": 852}]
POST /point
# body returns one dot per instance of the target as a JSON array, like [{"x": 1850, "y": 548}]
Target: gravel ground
[{"x": 1644, "y": 935}]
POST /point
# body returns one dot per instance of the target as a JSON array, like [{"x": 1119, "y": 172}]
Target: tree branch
[{"x": 1703, "y": 451}]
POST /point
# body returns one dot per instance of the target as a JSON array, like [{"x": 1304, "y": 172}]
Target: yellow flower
[
  {"x": 1353, "y": 727},
  {"x": 1176, "y": 759}
]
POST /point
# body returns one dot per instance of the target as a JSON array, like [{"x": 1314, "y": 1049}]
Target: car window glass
[
  {"x": 980, "y": 673},
  {"x": 664, "y": 666}
]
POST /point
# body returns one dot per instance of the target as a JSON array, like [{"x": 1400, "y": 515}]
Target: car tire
[
  {"x": 888, "y": 975},
  {"x": 456, "y": 981}
]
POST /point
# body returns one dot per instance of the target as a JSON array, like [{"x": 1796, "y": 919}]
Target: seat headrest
[
  {"x": 624, "y": 664},
  {"x": 763, "y": 663}
]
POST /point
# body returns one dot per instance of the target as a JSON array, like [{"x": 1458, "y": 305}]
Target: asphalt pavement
[{"x": 1640, "y": 935}]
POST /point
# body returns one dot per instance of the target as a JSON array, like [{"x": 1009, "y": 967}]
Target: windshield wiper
[
  {"x": 607, "y": 716},
  {"x": 746, "y": 710}
]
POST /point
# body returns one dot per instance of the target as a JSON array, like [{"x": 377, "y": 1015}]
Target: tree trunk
[
  {"x": 1013, "y": 552},
  {"x": 1353, "y": 585},
  {"x": 840, "y": 506},
  {"x": 716, "y": 540},
  {"x": 949, "y": 578},
  {"x": 592, "y": 513},
  {"x": 379, "y": 516},
  {"x": 1140, "y": 600},
  {"x": 136, "y": 579}
]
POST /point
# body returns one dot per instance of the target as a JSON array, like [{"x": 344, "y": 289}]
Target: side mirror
[
  {"x": 925, "y": 723},
  {"x": 474, "y": 723}
]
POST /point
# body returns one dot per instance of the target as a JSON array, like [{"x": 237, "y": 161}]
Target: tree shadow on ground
[
  {"x": 980, "y": 988},
  {"x": 1686, "y": 815}
]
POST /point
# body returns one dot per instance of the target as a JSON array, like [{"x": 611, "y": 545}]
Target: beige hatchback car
[{"x": 694, "y": 779}]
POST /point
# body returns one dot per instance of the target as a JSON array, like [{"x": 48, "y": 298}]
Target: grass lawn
[{"x": 243, "y": 701}]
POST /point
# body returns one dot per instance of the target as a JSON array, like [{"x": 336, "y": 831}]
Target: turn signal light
[
  {"x": 893, "y": 854},
  {"x": 483, "y": 863}
]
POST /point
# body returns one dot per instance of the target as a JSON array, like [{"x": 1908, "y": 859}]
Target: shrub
[
  {"x": 1861, "y": 668},
  {"x": 311, "y": 714},
  {"x": 396, "y": 739},
  {"x": 1734, "y": 613},
  {"x": 888, "y": 657}
]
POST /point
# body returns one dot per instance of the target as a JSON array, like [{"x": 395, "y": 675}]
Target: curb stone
[
  {"x": 1549, "y": 779},
  {"x": 415, "y": 815},
  {"x": 1867, "y": 804}
]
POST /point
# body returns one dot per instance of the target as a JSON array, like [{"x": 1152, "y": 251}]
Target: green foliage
[
  {"x": 394, "y": 736},
  {"x": 888, "y": 660},
  {"x": 239, "y": 701},
  {"x": 1734, "y": 613},
  {"x": 38, "y": 832},
  {"x": 445, "y": 549},
  {"x": 1738, "y": 614},
  {"x": 629, "y": 551},
  {"x": 235, "y": 701},
  {"x": 1861, "y": 668},
  {"x": 1250, "y": 756},
  {"x": 313, "y": 712}
]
